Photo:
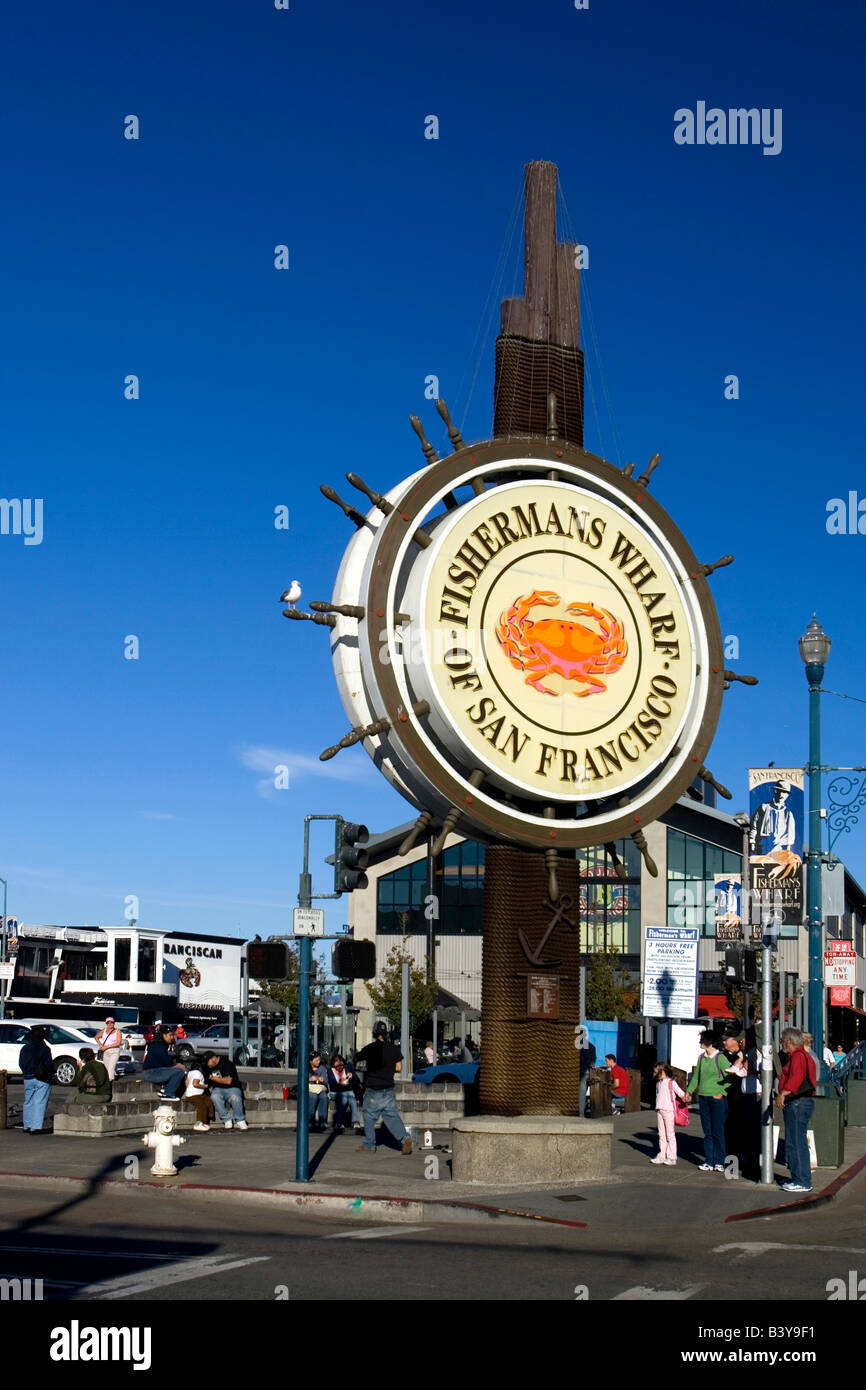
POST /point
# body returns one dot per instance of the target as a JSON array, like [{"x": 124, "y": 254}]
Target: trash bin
[
  {"x": 632, "y": 1100},
  {"x": 600, "y": 1092},
  {"x": 856, "y": 1107},
  {"x": 828, "y": 1126}
]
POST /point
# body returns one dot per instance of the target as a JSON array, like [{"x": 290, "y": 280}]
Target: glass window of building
[
  {"x": 84, "y": 965},
  {"x": 122, "y": 955},
  {"x": 692, "y": 867},
  {"x": 33, "y": 966},
  {"x": 400, "y": 902},
  {"x": 147, "y": 959},
  {"x": 460, "y": 889},
  {"x": 609, "y": 905},
  {"x": 461, "y": 906}
]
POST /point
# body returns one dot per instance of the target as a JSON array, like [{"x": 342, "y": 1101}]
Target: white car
[{"x": 63, "y": 1044}]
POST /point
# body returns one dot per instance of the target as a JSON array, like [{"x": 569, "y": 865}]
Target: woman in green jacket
[
  {"x": 711, "y": 1084},
  {"x": 92, "y": 1084}
]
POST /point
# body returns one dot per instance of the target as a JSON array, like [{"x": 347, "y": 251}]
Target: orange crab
[
  {"x": 553, "y": 646},
  {"x": 784, "y": 861}
]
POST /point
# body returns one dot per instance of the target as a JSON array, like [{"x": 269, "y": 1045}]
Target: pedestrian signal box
[
  {"x": 267, "y": 960},
  {"x": 354, "y": 960}
]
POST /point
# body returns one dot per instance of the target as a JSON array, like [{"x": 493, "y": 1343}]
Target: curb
[
  {"x": 820, "y": 1199},
  {"x": 360, "y": 1206}
]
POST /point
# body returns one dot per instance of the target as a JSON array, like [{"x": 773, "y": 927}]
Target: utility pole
[{"x": 349, "y": 863}]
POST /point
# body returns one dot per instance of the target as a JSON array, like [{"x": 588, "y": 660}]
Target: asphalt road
[{"x": 154, "y": 1247}]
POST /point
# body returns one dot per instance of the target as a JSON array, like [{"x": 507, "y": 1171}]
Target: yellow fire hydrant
[{"x": 163, "y": 1141}]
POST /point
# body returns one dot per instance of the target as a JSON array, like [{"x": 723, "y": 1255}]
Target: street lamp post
[{"x": 814, "y": 649}]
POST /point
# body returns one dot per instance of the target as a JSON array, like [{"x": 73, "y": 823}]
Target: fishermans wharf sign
[
  {"x": 544, "y": 660},
  {"x": 557, "y": 650}
]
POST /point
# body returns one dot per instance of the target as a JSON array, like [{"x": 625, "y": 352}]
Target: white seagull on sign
[{"x": 292, "y": 594}]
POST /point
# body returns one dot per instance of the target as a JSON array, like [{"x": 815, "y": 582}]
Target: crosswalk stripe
[
  {"x": 760, "y": 1247},
  {"x": 376, "y": 1232},
  {"x": 640, "y": 1291},
  {"x": 125, "y": 1285}
]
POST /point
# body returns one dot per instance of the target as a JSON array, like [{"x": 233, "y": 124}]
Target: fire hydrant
[{"x": 164, "y": 1141}]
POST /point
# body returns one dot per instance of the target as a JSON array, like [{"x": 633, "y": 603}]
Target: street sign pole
[
  {"x": 769, "y": 938},
  {"x": 308, "y": 922}
]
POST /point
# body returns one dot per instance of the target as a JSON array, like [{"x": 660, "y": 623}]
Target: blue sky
[{"x": 155, "y": 257}]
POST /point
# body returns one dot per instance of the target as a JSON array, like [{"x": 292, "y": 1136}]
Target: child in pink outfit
[{"x": 666, "y": 1089}]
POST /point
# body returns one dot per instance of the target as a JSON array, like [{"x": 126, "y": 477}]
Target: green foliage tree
[
  {"x": 610, "y": 992},
  {"x": 386, "y": 992}
]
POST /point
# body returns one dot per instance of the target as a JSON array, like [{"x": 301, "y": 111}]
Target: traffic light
[
  {"x": 349, "y": 861},
  {"x": 267, "y": 960},
  {"x": 750, "y": 967},
  {"x": 734, "y": 963},
  {"x": 353, "y": 960}
]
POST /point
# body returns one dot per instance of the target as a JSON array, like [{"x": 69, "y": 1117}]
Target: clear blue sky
[{"x": 155, "y": 257}]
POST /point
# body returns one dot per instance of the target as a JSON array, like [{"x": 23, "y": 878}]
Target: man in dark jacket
[
  {"x": 382, "y": 1060},
  {"x": 161, "y": 1065},
  {"x": 37, "y": 1069}
]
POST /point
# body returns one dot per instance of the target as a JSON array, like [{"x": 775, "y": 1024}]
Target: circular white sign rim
[{"x": 415, "y": 776}]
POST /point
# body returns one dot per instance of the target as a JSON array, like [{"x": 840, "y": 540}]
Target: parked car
[
  {"x": 63, "y": 1044},
  {"x": 216, "y": 1039},
  {"x": 464, "y": 1072}
]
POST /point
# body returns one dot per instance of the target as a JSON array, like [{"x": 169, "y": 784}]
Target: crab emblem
[{"x": 552, "y": 646}]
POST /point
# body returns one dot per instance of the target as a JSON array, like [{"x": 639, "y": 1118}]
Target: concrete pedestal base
[{"x": 518, "y": 1150}]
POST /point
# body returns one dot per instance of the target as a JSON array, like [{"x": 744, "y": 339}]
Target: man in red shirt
[
  {"x": 621, "y": 1082},
  {"x": 796, "y": 1098}
]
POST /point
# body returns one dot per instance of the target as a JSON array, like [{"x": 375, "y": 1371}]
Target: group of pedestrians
[
  {"x": 726, "y": 1084},
  {"x": 381, "y": 1060},
  {"x": 211, "y": 1085}
]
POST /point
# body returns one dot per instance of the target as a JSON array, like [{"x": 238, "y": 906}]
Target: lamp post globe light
[{"x": 814, "y": 649}]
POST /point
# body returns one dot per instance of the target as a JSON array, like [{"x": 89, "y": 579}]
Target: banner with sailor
[{"x": 776, "y": 809}]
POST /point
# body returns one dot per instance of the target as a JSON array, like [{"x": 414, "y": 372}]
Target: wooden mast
[{"x": 538, "y": 348}]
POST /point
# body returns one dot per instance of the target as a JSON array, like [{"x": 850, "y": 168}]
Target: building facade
[
  {"x": 144, "y": 974},
  {"x": 691, "y": 844}
]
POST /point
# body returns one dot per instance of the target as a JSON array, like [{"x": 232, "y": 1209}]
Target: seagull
[{"x": 292, "y": 594}]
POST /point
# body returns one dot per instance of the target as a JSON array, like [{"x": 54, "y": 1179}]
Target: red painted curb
[
  {"x": 443, "y": 1203},
  {"x": 819, "y": 1199}
]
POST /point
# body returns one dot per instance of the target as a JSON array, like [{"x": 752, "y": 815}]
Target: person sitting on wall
[
  {"x": 621, "y": 1083},
  {"x": 93, "y": 1083},
  {"x": 341, "y": 1086},
  {"x": 227, "y": 1094},
  {"x": 162, "y": 1066},
  {"x": 317, "y": 1086},
  {"x": 196, "y": 1094}
]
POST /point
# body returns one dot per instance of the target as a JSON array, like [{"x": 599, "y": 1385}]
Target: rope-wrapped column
[{"x": 530, "y": 1065}]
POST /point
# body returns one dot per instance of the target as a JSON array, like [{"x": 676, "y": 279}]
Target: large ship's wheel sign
[{"x": 525, "y": 644}]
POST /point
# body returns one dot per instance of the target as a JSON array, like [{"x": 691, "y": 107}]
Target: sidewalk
[{"x": 259, "y": 1165}]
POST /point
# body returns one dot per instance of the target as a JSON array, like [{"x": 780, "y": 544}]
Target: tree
[
  {"x": 386, "y": 993},
  {"x": 285, "y": 992},
  {"x": 610, "y": 991}
]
